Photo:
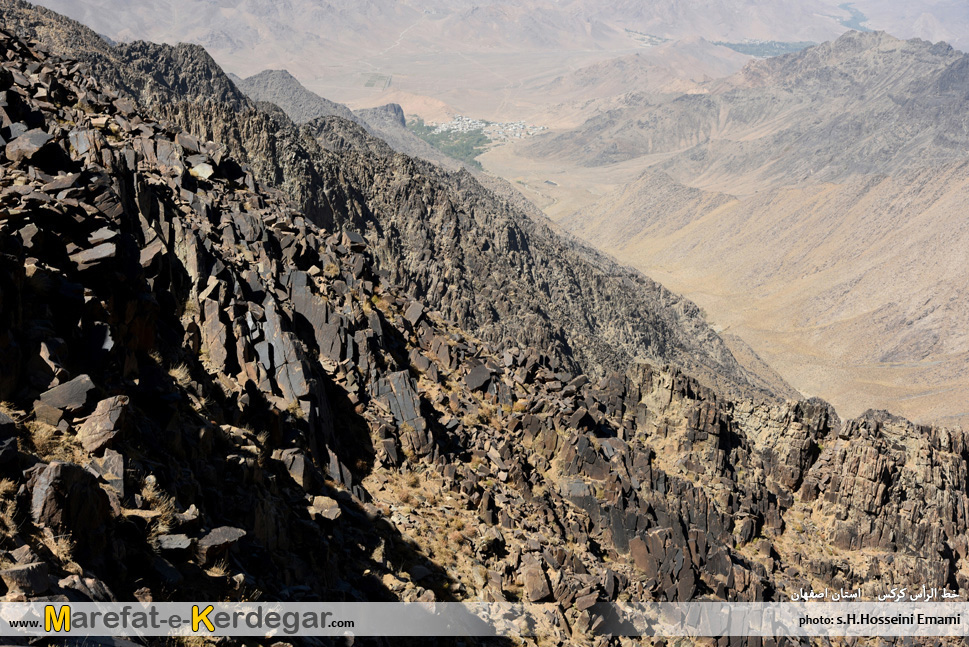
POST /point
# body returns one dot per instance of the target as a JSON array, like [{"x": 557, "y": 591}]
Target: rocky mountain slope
[
  {"x": 866, "y": 103},
  {"x": 145, "y": 72},
  {"x": 466, "y": 252},
  {"x": 208, "y": 396},
  {"x": 813, "y": 204},
  {"x": 282, "y": 89}
]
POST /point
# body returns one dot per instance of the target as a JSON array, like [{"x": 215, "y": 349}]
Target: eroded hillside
[
  {"x": 812, "y": 204},
  {"x": 209, "y": 396}
]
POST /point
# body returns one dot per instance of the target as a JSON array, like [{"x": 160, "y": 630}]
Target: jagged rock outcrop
[
  {"x": 442, "y": 236},
  {"x": 145, "y": 72},
  {"x": 256, "y": 390}
]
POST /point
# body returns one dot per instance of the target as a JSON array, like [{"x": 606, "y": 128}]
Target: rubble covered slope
[
  {"x": 207, "y": 396},
  {"x": 458, "y": 247}
]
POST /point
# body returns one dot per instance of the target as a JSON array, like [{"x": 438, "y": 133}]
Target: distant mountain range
[
  {"x": 466, "y": 25},
  {"x": 475, "y": 54},
  {"x": 815, "y": 203}
]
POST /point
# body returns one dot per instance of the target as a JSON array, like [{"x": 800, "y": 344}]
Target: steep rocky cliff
[
  {"x": 481, "y": 262},
  {"x": 209, "y": 396}
]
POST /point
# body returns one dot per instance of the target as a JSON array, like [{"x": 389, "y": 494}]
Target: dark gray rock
[
  {"x": 298, "y": 467},
  {"x": 61, "y": 183},
  {"x": 83, "y": 141},
  {"x": 327, "y": 508},
  {"x": 478, "y": 378},
  {"x": 535, "y": 583},
  {"x": 217, "y": 541},
  {"x": 29, "y": 579},
  {"x": 94, "y": 256},
  {"x": 8, "y": 450},
  {"x": 27, "y": 145},
  {"x": 174, "y": 542},
  {"x": 414, "y": 313},
  {"x": 586, "y": 601},
  {"x": 66, "y": 498},
  {"x": 110, "y": 468},
  {"x": 70, "y": 396},
  {"x": 104, "y": 424},
  {"x": 90, "y": 588},
  {"x": 8, "y": 426}
]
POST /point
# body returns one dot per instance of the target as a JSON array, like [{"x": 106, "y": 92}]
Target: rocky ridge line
[
  {"x": 212, "y": 395},
  {"x": 442, "y": 236}
]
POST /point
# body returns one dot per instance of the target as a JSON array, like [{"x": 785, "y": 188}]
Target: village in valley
[
  {"x": 464, "y": 138},
  {"x": 496, "y": 131}
]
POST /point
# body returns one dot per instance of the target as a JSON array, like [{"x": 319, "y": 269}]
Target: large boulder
[
  {"x": 69, "y": 396},
  {"x": 66, "y": 498},
  {"x": 104, "y": 424},
  {"x": 27, "y": 145},
  {"x": 29, "y": 579},
  {"x": 217, "y": 541}
]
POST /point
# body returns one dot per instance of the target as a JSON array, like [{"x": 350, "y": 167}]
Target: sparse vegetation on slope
[{"x": 461, "y": 145}]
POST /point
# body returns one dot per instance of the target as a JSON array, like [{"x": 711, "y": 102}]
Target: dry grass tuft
[
  {"x": 8, "y": 490},
  {"x": 11, "y": 411},
  {"x": 64, "y": 548},
  {"x": 51, "y": 444},
  {"x": 181, "y": 374},
  {"x": 219, "y": 568},
  {"x": 159, "y": 501},
  {"x": 295, "y": 410}
]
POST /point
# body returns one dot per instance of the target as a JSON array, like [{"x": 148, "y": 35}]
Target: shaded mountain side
[
  {"x": 207, "y": 396},
  {"x": 453, "y": 244},
  {"x": 281, "y": 88},
  {"x": 386, "y": 122}
]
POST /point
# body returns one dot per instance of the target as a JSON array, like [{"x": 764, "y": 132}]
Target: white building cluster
[{"x": 496, "y": 131}]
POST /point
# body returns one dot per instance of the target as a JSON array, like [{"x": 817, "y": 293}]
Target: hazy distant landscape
[{"x": 481, "y": 57}]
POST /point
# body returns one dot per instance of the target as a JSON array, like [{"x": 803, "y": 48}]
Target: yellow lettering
[
  {"x": 60, "y": 621},
  {"x": 202, "y": 617}
]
